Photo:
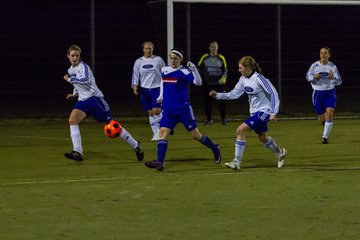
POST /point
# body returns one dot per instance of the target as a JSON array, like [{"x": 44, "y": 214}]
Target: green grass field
[{"x": 110, "y": 195}]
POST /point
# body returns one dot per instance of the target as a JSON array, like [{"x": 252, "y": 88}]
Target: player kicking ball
[{"x": 90, "y": 102}]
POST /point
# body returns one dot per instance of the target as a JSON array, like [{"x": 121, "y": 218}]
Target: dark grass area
[{"x": 113, "y": 196}]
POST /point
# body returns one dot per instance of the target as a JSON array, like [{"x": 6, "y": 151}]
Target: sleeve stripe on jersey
[
  {"x": 85, "y": 78},
  {"x": 270, "y": 91},
  {"x": 202, "y": 59},
  {"x": 224, "y": 61}
]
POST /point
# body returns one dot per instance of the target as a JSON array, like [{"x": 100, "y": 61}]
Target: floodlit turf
[{"x": 113, "y": 196}]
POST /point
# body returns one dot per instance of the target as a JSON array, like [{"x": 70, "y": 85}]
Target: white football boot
[
  {"x": 233, "y": 165},
  {"x": 281, "y": 158}
]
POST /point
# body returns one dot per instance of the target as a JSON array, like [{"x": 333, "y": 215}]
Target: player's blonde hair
[
  {"x": 74, "y": 48},
  {"x": 249, "y": 62}
]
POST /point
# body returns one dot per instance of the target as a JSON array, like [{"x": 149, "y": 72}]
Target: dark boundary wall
[{"x": 35, "y": 35}]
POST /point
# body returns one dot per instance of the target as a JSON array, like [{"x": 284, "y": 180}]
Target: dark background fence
[{"x": 36, "y": 34}]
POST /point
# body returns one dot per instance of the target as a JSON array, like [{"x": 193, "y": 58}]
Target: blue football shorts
[
  {"x": 258, "y": 122},
  {"x": 148, "y": 98},
  {"x": 185, "y": 115},
  {"x": 323, "y": 99},
  {"x": 96, "y": 106}
]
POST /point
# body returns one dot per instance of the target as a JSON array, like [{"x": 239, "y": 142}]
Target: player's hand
[
  {"x": 222, "y": 80},
  {"x": 317, "y": 76},
  {"x": 212, "y": 93},
  {"x": 159, "y": 101},
  {"x": 331, "y": 75},
  {"x": 272, "y": 118},
  {"x": 66, "y": 77},
  {"x": 135, "y": 90},
  {"x": 191, "y": 66},
  {"x": 71, "y": 96}
]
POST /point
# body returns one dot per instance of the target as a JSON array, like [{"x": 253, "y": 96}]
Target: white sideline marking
[{"x": 176, "y": 175}]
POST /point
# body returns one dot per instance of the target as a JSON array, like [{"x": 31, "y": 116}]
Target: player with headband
[{"x": 177, "y": 108}]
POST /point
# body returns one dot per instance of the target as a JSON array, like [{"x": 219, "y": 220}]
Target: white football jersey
[
  {"x": 81, "y": 77},
  {"x": 324, "y": 83},
  {"x": 147, "y": 72},
  {"x": 263, "y": 96}
]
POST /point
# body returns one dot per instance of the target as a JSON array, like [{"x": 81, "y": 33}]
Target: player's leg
[
  {"x": 206, "y": 141},
  {"x": 240, "y": 143},
  {"x": 187, "y": 118},
  {"x": 156, "y": 109},
  {"x": 222, "y": 105},
  {"x": 330, "y": 104},
  {"x": 162, "y": 145},
  {"x": 328, "y": 124},
  {"x": 156, "y": 117},
  {"x": 222, "y": 109},
  {"x": 260, "y": 128},
  {"x": 270, "y": 143},
  {"x": 318, "y": 103},
  {"x": 146, "y": 103},
  {"x": 207, "y": 104},
  {"x": 153, "y": 125},
  {"x": 167, "y": 124},
  {"x": 101, "y": 111},
  {"x": 75, "y": 118},
  {"x": 135, "y": 144}
]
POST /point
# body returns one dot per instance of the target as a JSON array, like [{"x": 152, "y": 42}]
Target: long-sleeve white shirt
[
  {"x": 324, "y": 83},
  {"x": 147, "y": 72},
  {"x": 82, "y": 78},
  {"x": 262, "y": 95}
]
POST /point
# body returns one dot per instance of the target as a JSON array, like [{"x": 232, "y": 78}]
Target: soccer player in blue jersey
[
  {"x": 146, "y": 79},
  {"x": 177, "y": 108},
  {"x": 324, "y": 76},
  {"x": 264, "y": 105},
  {"x": 90, "y": 102}
]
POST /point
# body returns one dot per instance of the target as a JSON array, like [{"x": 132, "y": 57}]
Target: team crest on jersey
[
  {"x": 324, "y": 74},
  {"x": 148, "y": 66},
  {"x": 248, "y": 89}
]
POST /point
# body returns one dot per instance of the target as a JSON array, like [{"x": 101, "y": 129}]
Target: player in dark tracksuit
[{"x": 213, "y": 69}]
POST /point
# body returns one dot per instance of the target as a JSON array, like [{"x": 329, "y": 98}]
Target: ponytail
[{"x": 249, "y": 62}]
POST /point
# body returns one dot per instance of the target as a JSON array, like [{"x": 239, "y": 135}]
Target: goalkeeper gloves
[{"x": 222, "y": 80}]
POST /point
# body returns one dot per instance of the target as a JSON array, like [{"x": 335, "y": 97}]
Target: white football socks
[
  {"x": 76, "y": 138},
  {"x": 327, "y": 128},
  {"x": 271, "y": 144},
  {"x": 153, "y": 125},
  {"x": 239, "y": 150},
  {"x": 125, "y": 135}
]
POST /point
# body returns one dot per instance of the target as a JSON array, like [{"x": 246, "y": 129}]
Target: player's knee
[
  {"x": 73, "y": 121},
  {"x": 240, "y": 131}
]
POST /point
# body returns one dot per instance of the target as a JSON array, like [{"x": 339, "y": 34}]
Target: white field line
[{"x": 174, "y": 175}]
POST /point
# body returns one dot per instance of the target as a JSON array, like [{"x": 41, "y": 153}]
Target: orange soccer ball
[{"x": 113, "y": 129}]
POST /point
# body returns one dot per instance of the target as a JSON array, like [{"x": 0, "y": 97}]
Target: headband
[{"x": 177, "y": 53}]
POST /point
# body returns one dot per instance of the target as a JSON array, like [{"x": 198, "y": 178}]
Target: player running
[
  {"x": 264, "y": 105},
  {"x": 324, "y": 76},
  {"x": 90, "y": 102},
  {"x": 177, "y": 108}
]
